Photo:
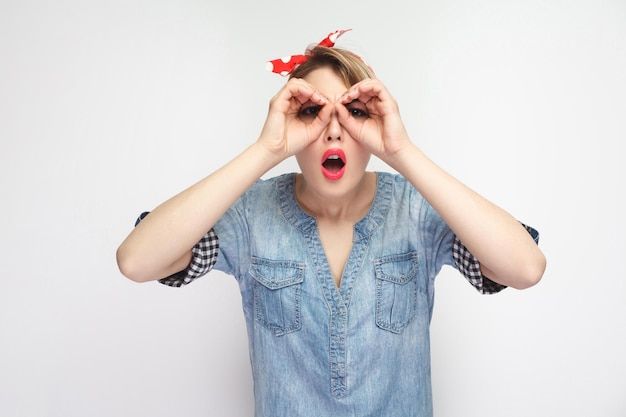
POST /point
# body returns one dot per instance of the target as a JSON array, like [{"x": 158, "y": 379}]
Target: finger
[
  {"x": 325, "y": 113},
  {"x": 343, "y": 114},
  {"x": 302, "y": 91},
  {"x": 353, "y": 126},
  {"x": 322, "y": 119},
  {"x": 365, "y": 91}
]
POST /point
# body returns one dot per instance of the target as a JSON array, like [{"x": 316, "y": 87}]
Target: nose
[{"x": 333, "y": 130}]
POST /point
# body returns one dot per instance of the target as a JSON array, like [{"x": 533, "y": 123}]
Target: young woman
[{"x": 336, "y": 265}]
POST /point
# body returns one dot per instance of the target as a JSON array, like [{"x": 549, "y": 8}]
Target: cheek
[
  {"x": 361, "y": 156},
  {"x": 305, "y": 161}
]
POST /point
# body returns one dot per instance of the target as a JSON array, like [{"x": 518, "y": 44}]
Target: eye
[
  {"x": 357, "y": 110},
  {"x": 309, "y": 112},
  {"x": 358, "y": 113}
]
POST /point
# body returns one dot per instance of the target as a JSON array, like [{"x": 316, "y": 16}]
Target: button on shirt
[{"x": 317, "y": 350}]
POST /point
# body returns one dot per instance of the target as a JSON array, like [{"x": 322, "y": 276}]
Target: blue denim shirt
[{"x": 318, "y": 350}]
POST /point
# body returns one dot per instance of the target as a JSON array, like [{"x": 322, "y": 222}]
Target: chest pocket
[
  {"x": 277, "y": 294},
  {"x": 396, "y": 291}
]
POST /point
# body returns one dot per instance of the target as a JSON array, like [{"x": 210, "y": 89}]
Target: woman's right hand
[{"x": 297, "y": 116}]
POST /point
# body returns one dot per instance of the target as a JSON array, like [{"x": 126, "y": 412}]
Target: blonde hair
[{"x": 348, "y": 66}]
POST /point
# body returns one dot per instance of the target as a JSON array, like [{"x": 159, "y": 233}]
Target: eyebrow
[{"x": 356, "y": 100}]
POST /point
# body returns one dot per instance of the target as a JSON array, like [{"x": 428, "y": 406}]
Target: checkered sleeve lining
[
  {"x": 204, "y": 256},
  {"x": 469, "y": 266}
]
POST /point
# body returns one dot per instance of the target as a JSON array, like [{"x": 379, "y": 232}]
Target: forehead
[{"x": 326, "y": 82}]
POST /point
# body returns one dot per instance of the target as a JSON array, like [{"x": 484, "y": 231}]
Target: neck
[{"x": 349, "y": 206}]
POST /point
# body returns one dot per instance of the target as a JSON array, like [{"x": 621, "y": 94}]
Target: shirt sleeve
[
  {"x": 204, "y": 256},
  {"x": 469, "y": 266}
]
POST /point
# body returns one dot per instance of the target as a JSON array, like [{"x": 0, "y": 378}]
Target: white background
[{"x": 107, "y": 108}]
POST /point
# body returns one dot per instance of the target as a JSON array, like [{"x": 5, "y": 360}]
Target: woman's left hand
[{"x": 372, "y": 117}]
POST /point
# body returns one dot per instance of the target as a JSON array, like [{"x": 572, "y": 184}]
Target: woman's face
[{"x": 335, "y": 163}]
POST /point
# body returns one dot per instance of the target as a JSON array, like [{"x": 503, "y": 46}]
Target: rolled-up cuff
[
  {"x": 204, "y": 256},
  {"x": 469, "y": 266}
]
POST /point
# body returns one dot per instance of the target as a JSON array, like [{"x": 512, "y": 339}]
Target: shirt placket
[{"x": 338, "y": 318}]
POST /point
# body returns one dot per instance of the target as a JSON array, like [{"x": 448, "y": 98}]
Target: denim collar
[{"x": 307, "y": 224}]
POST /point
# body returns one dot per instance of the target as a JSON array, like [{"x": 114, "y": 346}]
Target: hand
[
  {"x": 372, "y": 117},
  {"x": 285, "y": 132}
]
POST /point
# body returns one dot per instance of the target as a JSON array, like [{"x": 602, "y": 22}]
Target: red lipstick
[{"x": 334, "y": 164}]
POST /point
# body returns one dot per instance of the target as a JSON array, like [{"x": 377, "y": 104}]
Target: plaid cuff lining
[
  {"x": 204, "y": 256},
  {"x": 469, "y": 266}
]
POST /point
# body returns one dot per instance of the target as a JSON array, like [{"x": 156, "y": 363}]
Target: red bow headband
[{"x": 285, "y": 66}]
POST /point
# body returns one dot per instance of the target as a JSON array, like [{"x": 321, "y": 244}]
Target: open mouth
[{"x": 334, "y": 164}]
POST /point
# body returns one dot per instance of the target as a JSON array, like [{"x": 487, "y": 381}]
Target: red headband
[{"x": 285, "y": 66}]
